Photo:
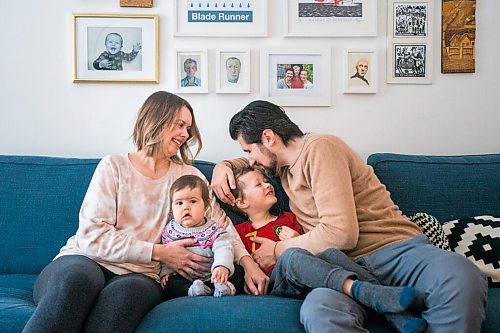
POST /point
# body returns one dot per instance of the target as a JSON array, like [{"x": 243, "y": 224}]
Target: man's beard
[{"x": 271, "y": 170}]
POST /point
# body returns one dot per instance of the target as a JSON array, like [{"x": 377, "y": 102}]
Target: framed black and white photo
[
  {"x": 330, "y": 18},
  {"x": 192, "y": 71},
  {"x": 410, "y": 41},
  {"x": 360, "y": 73},
  {"x": 235, "y": 18},
  {"x": 296, "y": 77},
  {"x": 115, "y": 48},
  {"x": 232, "y": 71}
]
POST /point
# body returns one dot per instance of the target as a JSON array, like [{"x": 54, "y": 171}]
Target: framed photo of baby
[
  {"x": 115, "y": 48},
  {"x": 360, "y": 71}
]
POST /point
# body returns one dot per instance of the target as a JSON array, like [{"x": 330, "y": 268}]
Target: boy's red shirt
[{"x": 270, "y": 231}]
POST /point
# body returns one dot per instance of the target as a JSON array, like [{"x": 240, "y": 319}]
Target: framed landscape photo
[
  {"x": 296, "y": 77},
  {"x": 115, "y": 48},
  {"x": 360, "y": 73},
  {"x": 232, "y": 71},
  {"x": 330, "y": 18},
  {"x": 192, "y": 71},
  {"x": 235, "y": 18}
]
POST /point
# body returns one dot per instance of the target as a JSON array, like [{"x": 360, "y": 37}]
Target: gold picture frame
[{"x": 115, "y": 48}]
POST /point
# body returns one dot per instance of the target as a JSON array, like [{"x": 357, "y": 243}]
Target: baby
[
  {"x": 112, "y": 58},
  {"x": 189, "y": 201}
]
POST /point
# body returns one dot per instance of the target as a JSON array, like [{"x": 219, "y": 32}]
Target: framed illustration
[
  {"x": 192, "y": 71},
  {"x": 330, "y": 18},
  {"x": 296, "y": 77},
  {"x": 360, "y": 71},
  {"x": 232, "y": 71},
  {"x": 220, "y": 18},
  {"x": 410, "y": 41},
  {"x": 115, "y": 48}
]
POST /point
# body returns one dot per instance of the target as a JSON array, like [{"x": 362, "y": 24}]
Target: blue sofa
[{"x": 40, "y": 199}]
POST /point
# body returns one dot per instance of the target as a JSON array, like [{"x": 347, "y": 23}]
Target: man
[
  {"x": 361, "y": 70},
  {"x": 286, "y": 82},
  {"x": 190, "y": 67},
  {"x": 233, "y": 69},
  {"x": 340, "y": 203}
]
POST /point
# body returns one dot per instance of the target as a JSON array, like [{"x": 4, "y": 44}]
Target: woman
[{"x": 105, "y": 279}]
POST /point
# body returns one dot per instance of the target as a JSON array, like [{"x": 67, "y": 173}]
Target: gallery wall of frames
[{"x": 123, "y": 48}]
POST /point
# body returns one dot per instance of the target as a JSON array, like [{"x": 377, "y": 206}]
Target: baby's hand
[
  {"x": 137, "y": 47},
  {"x": 220, "y": 275},
  {"x": 105, "y": 64},
  {"x": 287, "y": 233},
  {"x": 163, "y": 281}
]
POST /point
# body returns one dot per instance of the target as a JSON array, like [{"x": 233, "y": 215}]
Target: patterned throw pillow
[
  {"x": 431, "y": 227},
  {"x": 478, "y": 239}
]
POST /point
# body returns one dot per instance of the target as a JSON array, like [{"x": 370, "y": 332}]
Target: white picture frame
[
  {"x": 410, "y": 58},
  {"x": 353, "y": 18},
  {"x": 192, "y": 71},
  {"x": 220, "y": 18},
  {"x": 360, "y": 74},
  {"x": 276, "y": 63},
  {"x": 96, "y": 59},
  {"x": 232, "y": 73}
]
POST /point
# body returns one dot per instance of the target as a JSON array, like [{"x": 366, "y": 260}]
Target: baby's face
[
  {"x": 113, "y": 43},
  {"x": 188, "y": 207}
]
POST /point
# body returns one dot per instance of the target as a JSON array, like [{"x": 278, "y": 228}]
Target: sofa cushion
[
  {"x": 431, "y": 228},
  {"x": 478, "y": 239},
  {"x": 16, "y": 301}
]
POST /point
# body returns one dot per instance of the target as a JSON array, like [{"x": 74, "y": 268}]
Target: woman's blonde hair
[{"x": 158, "y": 113}]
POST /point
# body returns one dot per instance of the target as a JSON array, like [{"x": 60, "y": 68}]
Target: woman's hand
[
  {"x": 222, "y": 182},
  {"x": 256, "y": 281},
  {"x": 183, "y": 261}
]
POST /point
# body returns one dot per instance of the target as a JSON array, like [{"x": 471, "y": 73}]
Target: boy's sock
[
  {"x": 227, "y": 289},
  {"x": 405, "y": 322},
  {"x": 382, "y": 298},
  {"x": 198, "y": 288}
]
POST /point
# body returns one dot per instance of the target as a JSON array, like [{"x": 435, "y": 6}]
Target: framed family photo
[
  {"x": 232, "y": 71},
  {"x": 115, "y": 48},
  {"x": 296, "y": 77},
  {"x": 330, "y": 18},
  {"x": 192, "y": 71},
  {"x": 220, "y": 18},
  {"x": 360, "y": 71},
  {"x": 410, "y": 41}
]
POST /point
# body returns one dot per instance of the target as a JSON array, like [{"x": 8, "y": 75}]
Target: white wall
[{"x": 43, "y": 113}]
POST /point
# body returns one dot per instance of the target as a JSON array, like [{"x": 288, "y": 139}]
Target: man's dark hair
[{"x": 258, "y": 116}]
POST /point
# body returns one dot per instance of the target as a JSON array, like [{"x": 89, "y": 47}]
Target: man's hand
[
  {"x": 264, "y": 256},
  {"x": 183, "y": 261},
  {"x": 222, "y": 182},
  {"x": 256, "y": 281}
]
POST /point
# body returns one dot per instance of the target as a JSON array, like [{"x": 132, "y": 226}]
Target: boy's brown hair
[{"x": 191, "y": 182}]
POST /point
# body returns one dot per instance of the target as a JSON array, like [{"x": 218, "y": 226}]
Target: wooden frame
[
  {"x": 360, "y": 71},
  {"x": 330, "y": 18},
  {"x": 214, "y": 18},
  {"x": 410, "y": 41},
  {"x": 187, "y": 60},
  {"x": 232, "y": 71},
  {"x": 276, "y": 62},
  {"x": 96, "y": 59}
]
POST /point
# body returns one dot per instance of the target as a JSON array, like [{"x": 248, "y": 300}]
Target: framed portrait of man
[
  {"x": 192, "y": 71},
  {"x": 233, "y": 71},
  {"x": 360, "y": 71}
]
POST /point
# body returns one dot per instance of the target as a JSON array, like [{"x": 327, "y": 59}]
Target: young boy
[
  {"x": 189, "y": 201},
  {"x": 297, "y": 271},
  {"x": 112, "y": 58}
]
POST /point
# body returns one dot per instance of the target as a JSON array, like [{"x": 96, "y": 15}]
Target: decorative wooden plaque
[
  {"x": 136, "y": 3},
  {"x": 458, "y": 36}
]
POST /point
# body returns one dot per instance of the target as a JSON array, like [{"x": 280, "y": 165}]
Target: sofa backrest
[
  {"x": 40, "y": 199},
  {"x": 447, "y": 187}
]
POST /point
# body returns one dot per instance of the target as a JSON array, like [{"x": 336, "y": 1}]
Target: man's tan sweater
[{"x": 339, "y": 201}]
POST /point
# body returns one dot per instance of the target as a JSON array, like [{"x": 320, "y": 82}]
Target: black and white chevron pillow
[
  {"x": 478, "y": 239},
  {"x": 431, "y": 227}
]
